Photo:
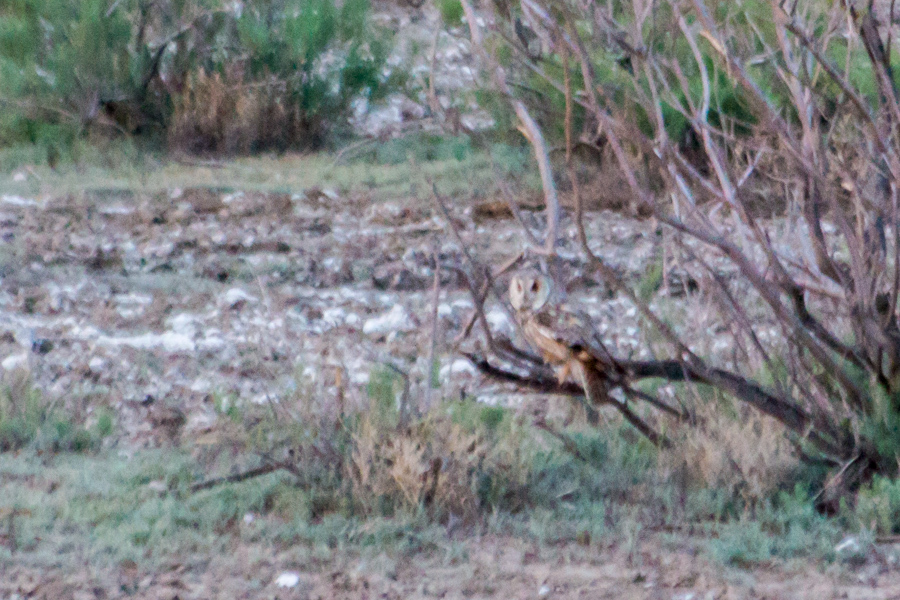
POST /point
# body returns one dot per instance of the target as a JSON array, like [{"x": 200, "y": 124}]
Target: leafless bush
[{"x": 727, "y": 103}]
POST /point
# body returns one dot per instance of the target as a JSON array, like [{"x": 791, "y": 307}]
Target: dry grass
[
  {"x": 745, "y": 456},
  {"x": 219, "y": 115},
  {"x": 432, "y": 464}
]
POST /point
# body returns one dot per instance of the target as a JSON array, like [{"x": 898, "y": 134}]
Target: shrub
[
  {"x": 214, "y": 76},
  {"x": 59, "y": 62},
  {"x": 878, "y": 506},
  {"x": 709, "y": 111},
  {"x": 285, "y": 73}
]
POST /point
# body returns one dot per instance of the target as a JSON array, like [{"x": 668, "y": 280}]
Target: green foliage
[
  {"x": 651, "y": 281},
  {"x": 59, "y": 61},
  {"x": 878, "y": 506},
  {"x": 22, "y": 412},
  {"x": 271, "y": 74},
  {"x": 27, "y": 417},
  {"x": 383, "y": 389},
  {"x": 451, "y": 11},
  {"x": 511, "y": 160},
  {"x": 422, "y": 147},
  {"x": 326, "y": 56},
  {"x": 786, "y": 527}
]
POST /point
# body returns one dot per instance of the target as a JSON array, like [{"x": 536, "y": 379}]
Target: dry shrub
[
  {"x": 747, "y": 456},
  {"x": 434, "y": 463},
  {"x": 218, "y": 114}
]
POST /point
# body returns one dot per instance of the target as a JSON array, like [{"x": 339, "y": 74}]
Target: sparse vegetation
[
  {"x": 28, "y": 418},
  {"x": 219, "y": 405}
]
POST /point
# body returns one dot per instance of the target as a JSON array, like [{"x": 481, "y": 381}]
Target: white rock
[
  {"x": 334, "y": 316},
  {"x": 19, "y": 176},
  {"x": 15, "y": 361},
  {"x": 169, "y": 341},
  {"x": 396, "y": 319},
  {"x": 18, "y": 200},
  {"x": 460, "y": 366},
  {"x": 249, "y": 518},
  {"x": 183, "y": 324},
  {"x": 213, "y": 341},
  {"x": 544, "y": 591},
  {"x": 116, "y": 209},
  {"x": 158, "y": 486},
  {"x": 201, "y": 420},
  {"x": 288, "y": 579},
  {"x": 96, "y": 364},
  {"x": 201, "y": 385},
  {"x": 499, "y": 321},
  {"x": 236, "y": 296},
  {"x": 849, "y": 546}
]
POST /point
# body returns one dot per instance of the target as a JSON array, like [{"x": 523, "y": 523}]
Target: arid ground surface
[{"x": 164, "y": 297}]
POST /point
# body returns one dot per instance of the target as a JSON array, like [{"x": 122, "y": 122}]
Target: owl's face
[{"x": 529, "y": 292}]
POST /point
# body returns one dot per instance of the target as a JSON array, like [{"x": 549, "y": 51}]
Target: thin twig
[
  {"x": 435, "y": 324},
  {"x": 237, "y": 477}
]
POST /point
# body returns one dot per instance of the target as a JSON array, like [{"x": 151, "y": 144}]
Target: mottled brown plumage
[{"x": 564, "y": 336}]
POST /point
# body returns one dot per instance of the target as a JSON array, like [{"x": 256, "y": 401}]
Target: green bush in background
[{"x": 204, "y": 75}]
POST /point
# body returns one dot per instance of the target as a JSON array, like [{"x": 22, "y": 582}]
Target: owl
[{"x": 564, "y": 337}]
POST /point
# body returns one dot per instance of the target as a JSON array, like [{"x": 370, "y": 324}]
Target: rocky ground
[{"x": 176, "y": 297}]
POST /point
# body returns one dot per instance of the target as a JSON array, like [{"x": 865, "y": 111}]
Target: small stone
[
  {"x": 850, "y": 549},
  {"x": 236, "y": 298},
  {"x": 396, "y": 319},
  {"x": 96, "y": 364},
  {"x": 460, "y": 366},
  {"x": 158, "y": 486},
  {"x": 18, "y": 201},
  {"x": 288, "y": 579},
  {"x": 544, "y": 591},
  {"x": 334, "y": 316},
  {"x": 15, "y": 361}
]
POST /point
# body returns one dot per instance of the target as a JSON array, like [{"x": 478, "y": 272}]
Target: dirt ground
[{"x": 491, "y": 567}]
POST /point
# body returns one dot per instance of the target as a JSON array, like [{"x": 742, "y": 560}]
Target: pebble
[
  {"x": 396, "y": 319},
  {"x": 236, "y": 297},
  {"x": 15, "y": 361},
  {"x": 288, "y": 579}
]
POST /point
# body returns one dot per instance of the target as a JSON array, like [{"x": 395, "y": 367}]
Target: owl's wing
[{"x": 574, "y": 331}]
